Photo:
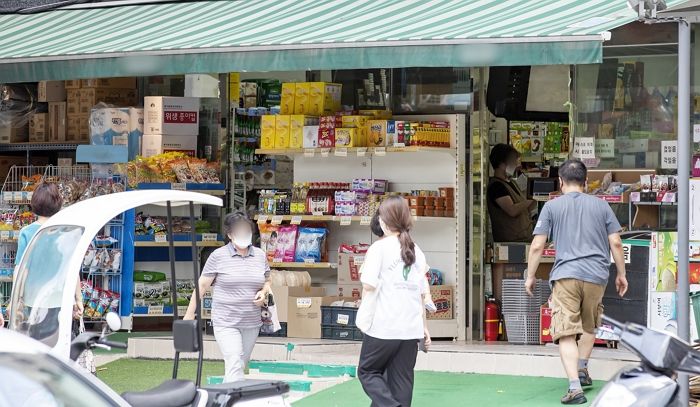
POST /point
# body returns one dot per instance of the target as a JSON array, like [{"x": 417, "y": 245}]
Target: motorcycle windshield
[{"x": 40, "y": 282}]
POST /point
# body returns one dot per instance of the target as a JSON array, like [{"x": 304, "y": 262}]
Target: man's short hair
[
  {"x": 500, "y": 153},
  {"x": 573, "y": 172}
]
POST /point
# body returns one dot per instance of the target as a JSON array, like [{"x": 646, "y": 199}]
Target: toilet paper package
[{"x": 109, "y": 126}]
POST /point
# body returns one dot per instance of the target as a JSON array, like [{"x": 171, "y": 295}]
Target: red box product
[
  {"x": 545, "y": 322},
  {"x": 326, "y": 131}
]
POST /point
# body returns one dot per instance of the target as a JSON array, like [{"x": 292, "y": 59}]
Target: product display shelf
[
  {"x": 66, "y": 146},
  {"x": 363, "y": 220},
  {"x": 178, "y": 244},
  {"x": 356, "y": 151},
  {"x": 300, "y": 265},
  {"x": 209, "y": 189}
]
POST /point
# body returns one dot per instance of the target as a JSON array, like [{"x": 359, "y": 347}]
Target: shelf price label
[
  {"x": 161, "y": 238},
  {"x": 345, "y": 220},
  {"x": 262, "y": 218},
  {"x": 365, "y": 220},
  {"x": 209, "y": 237},
  {"x": 341, "y": 152},
  {"x": 325, "y": 152},
  {"x": 380, "y": 151},
  {"x": 317, "y": 214},
  {"x": 277, "y": 219},
  {"x": 304, "y": 302},
  {"x": 361, "y": 152},
  {"x": 155, "y": 310},
  {"x": 296, "y": 220},
  {"x": 5, "y": 235},
  {"x": 309, "y": 261},
  {"x": 309, "y": 152},
  {"x": 179, "y": 186},
  {"x": 343, "y": 319}
]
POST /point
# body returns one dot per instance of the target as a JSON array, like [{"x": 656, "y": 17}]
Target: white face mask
[
  {"x": 510, "y": 171},
  {"x": 384, "y": 227},
  {"x": 242, "y": 241}
]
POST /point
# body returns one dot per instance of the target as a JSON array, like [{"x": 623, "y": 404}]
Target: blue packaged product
[{"x": 309, "y": 244}]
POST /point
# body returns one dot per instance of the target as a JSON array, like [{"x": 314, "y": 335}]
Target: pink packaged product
[{"x": 286, "y": 244}]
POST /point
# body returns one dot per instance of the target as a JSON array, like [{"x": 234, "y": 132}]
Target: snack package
[
  {"x": 646, "y": 183},
  {"x": 114, "y": 305},
  {"x": 286, "y": 243},
  {"x": 86, "y": 289},
  {"x": 310, "y": 244},
  {"x": 268, "y": 239}
]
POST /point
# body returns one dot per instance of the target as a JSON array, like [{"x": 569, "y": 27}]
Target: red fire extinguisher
[{"x": 492, "y": 320}]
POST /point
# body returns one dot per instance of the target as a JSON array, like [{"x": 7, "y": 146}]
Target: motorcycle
[{"x": 652, "y": 383}]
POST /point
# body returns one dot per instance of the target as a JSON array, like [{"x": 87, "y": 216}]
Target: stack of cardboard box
[
  {"x": 170, "y": 124},
  {"x": 349, "y": 284},
  {"x": 83, "y": 95}
]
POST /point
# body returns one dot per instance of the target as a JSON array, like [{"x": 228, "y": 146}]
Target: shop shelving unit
[{"x": 406, "y": 168}]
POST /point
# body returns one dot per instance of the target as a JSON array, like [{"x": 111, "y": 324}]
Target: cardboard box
[
  {"x": 310, "y": 137},
  {"x": 353, "y": 291},
  {"x": 349, "y": 267},
  {"x": 662, "y": 314},
  {"x": 296, "y": 129},
  {"x": 301, "y": 98},
  {"x": 73, "y": 100},
  {"x": 287, "y": 103},
  {"x": 57, "y": 121},
  {"x": 83, "y": 129},
  {"x": 282, "y": 293},
  {"x": 38, "y": 128},
  {"x": 51, "y": 91},
  {"x": 73, "y": 125},
  {"x": 360, "y": 124},
  {"x": 443, "y": 298},
  {"x": 282, "y": 128},
  {"x": 267, "y": 131},
  {"x": 154, "y": 144},
  {"x": 124, "y": 83},
  {"x": 14, "y": 134},
  {"x": 72, "y": 84},
  {"x": 324, "y": 98},
  {"x": 380, "y": 132},
  {"x": 173, "y": 116},
  {"x": 135, "y": 131},
  {"x": 304, "y": 313},
  {"x": 90, "y": 97}
]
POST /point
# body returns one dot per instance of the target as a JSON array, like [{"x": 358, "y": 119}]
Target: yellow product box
[
  {"x": 287, "y": 98},
  {"x": 301, "y": 98},
  {"x": 381, "y": 133},
  {"x": 346, "y": 137},
  {"x": 360, "y": 124},
  {"x": 296, "y": 129},
  {"x": 324, "y": 98},
  {"x": 268, "y": 131},
  {"x": 282, "y": 124}
]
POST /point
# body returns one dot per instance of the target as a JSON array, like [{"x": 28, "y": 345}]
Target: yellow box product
[
  {"x": 381, "y": 133},
  {"x": 268, "y": 131},
  {"x": 301, "y": 98},
  {"x": 282, "y": 125},
  {"x": 288, "y": 94},
  {"x": 360, "y": 124},
  {"x": 296, "y": 129},
  {"x": 346, "y": 137},
  {"x": 324, "y": 98}
]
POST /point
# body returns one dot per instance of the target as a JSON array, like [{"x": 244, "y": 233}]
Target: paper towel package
[
  {"x": 135, "y": 131},
  {"x": 109, "y": 126}
]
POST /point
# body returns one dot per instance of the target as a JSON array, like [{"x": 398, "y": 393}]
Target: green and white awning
[{"x": 284, "y": 35}]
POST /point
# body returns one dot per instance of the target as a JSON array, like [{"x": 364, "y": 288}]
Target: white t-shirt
[{"x": 399, "y": 312}]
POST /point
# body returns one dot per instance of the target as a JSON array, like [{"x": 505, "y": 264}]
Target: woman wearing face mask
[
  {"x": 508, "y": 207},
  {"x": 240, "y": 277},
  {"x": 394, "y": 266}
]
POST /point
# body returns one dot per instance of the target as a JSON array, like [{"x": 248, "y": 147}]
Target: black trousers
[{"x": 386, "y": 371}]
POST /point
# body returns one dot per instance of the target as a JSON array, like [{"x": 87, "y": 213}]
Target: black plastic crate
[
  {"x": 338, "y": 316},
  {"x": 341, "y": 333},
  {"x": 282, "y": 333}
]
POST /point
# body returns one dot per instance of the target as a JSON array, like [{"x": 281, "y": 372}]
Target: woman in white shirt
[{"x": 394, "y": 266}]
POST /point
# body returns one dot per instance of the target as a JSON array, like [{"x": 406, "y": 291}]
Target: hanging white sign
[
  {"x": 605, "y": 148},
  {"x": 584, "y": 147},
  {"x": 669, "y": 154}
]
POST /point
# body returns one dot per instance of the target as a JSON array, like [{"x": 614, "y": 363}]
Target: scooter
[{"x": 651, "y": 383}]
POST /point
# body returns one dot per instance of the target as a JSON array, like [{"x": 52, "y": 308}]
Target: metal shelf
[
  {"x": 333, "y": 218},
  {"x": 358, "y": 151},
  {"x": 178, "y": 244},
  {"x": 303, "y": 265},
  {"x": 39, "y": 147}
]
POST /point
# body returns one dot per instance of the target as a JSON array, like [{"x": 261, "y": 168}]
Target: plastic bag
[{"x": 309, "y": 244}]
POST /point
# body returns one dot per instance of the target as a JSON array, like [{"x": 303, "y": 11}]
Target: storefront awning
[{"x": 285, "y": 35}]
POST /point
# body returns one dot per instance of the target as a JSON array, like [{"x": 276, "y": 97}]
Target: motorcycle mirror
[{"x": 113, "y": 321}]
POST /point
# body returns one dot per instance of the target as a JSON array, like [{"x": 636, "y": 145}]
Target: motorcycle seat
[{"x": 172, "y": 393}]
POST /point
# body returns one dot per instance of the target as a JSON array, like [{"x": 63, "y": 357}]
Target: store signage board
[
  {"x": 669, "y": 154},
  {"x": 627, "y": 250},
  {"x": 584, "y": 147},
  {"x": 605, "y": 148}
]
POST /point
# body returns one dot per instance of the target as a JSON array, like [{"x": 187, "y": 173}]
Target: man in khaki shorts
[{"x": 585, "y": 231}]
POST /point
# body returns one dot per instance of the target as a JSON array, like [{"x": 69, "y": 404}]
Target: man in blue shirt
[{"x": 585, "y": 231}]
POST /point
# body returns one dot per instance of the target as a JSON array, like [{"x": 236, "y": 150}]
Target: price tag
[
  {"x": 365, "y": 220},
  {"x": 296, "y": 220},
  {"x": 5, "y": 235},
  {"x": 361, "y": 152},
  {"x": 309, "y": 152},
  {"x": 209, "y": 237},
  {"x": 380, "y": 151},
  {"x": 325, "y": 152},
  {"x": 161, "y": 238},
  {"x": 179, "y": 186},
  {"x": 317, "y": 214},
  {"x": 341, "y": 152},
  {"x": 343, "y": 319},
  {"x": 345, "y": 220},
  {"x": 358, "y": 260},
  {"x": 304, "y": 302},
  {"x": 277, "y": 219},
  {"x": 155, "y": 310},
  {"x": 309, "y": 261},
  {"x": 262, "y": 218}
]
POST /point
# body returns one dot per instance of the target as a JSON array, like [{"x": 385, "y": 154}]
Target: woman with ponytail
[{"x": 393, "y": 271}]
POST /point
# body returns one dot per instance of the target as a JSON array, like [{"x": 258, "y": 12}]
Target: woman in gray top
[{"x": 239, "y": 276}]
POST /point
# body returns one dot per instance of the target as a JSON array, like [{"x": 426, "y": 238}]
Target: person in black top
[{"x": 509, "y": 209}]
